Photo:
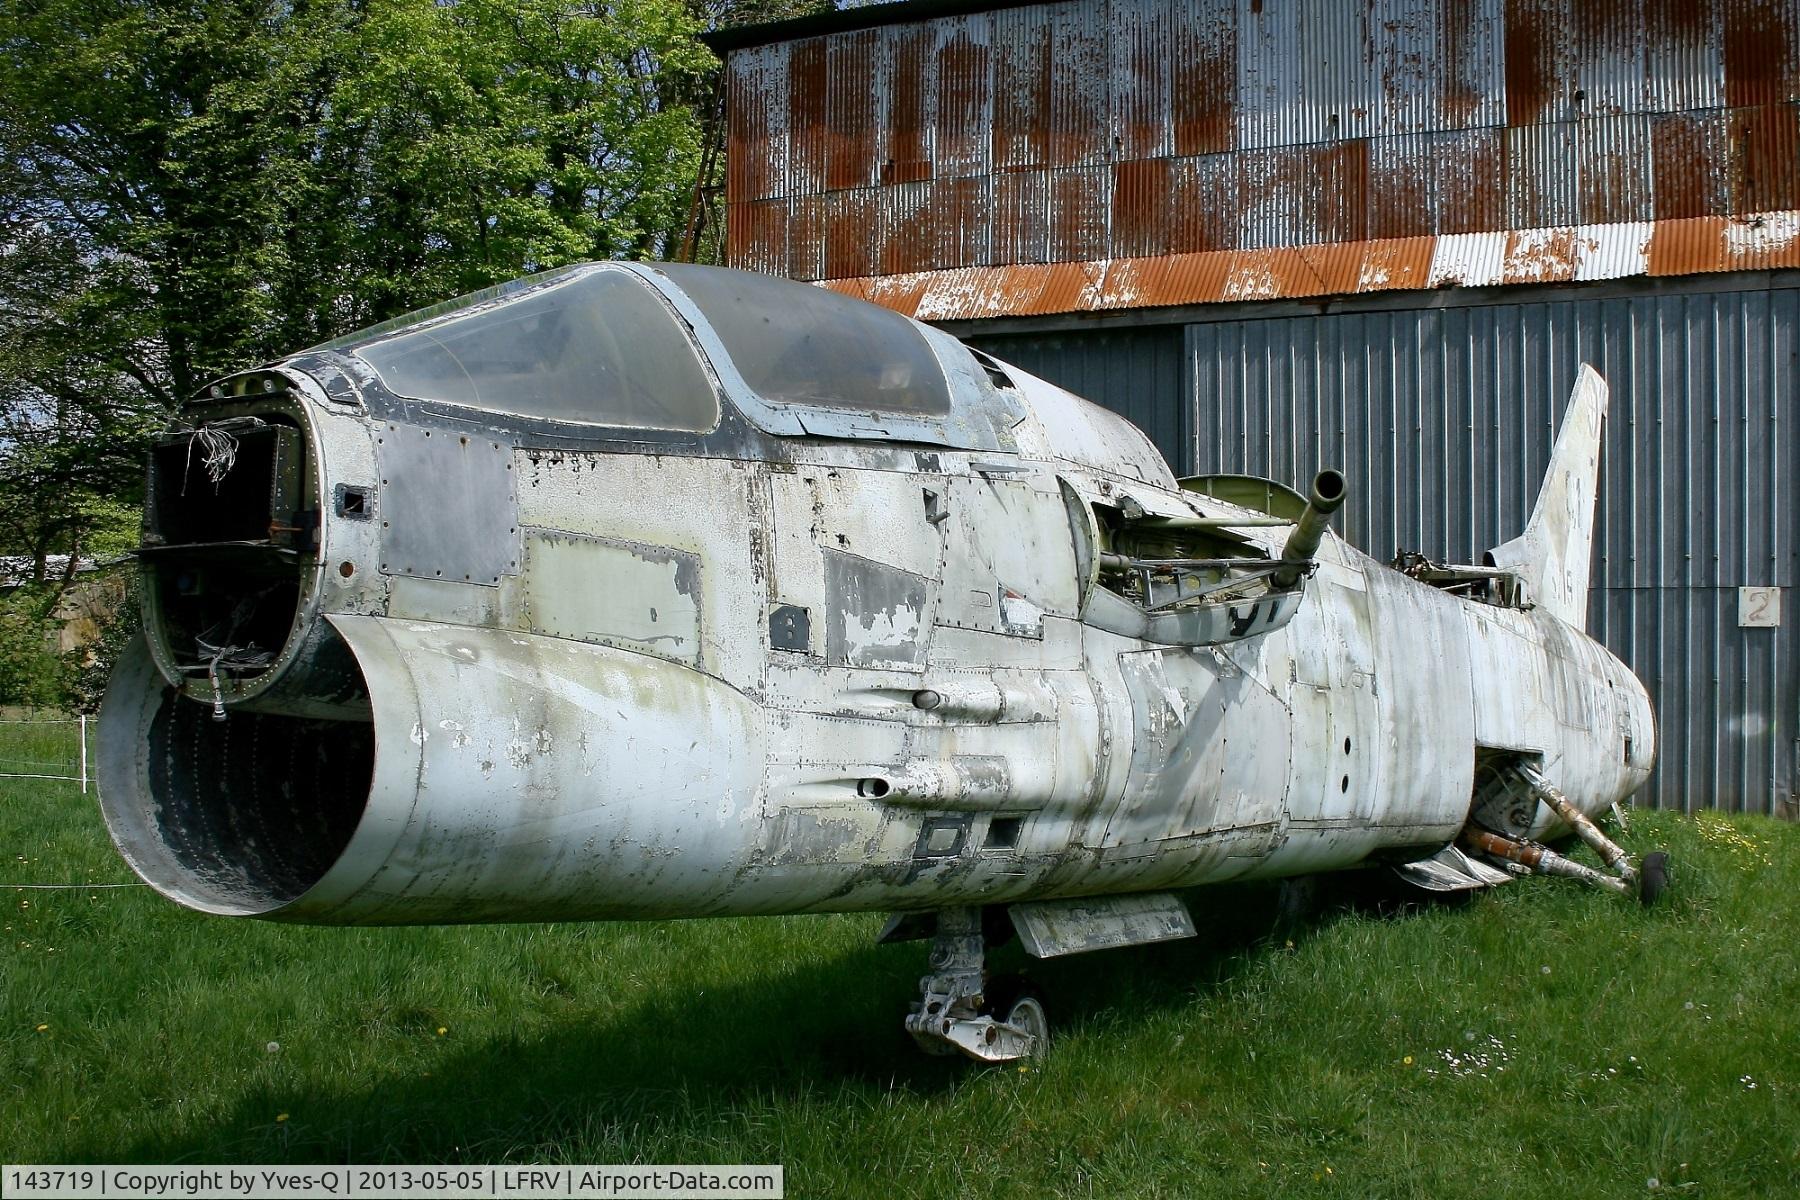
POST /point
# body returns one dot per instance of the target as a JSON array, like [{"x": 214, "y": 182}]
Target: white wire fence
[{"x": 47, "y": 747}]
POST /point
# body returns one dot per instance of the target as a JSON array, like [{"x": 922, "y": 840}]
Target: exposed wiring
[{"x": 218, "y": 454}]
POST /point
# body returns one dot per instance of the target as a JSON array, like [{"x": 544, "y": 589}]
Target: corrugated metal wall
[
  {"x": 1443, "y": 419},
  {"x": 1097, "y": 130}
]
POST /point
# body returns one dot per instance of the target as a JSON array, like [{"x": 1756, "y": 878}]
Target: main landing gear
[
  {"x": 962, "y": 1010},
  {"x": 1646, "y": 882}
]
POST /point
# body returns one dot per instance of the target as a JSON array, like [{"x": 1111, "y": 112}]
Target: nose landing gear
[{"x": 962, "y": 1011}]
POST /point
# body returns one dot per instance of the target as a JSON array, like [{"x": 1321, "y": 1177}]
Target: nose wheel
[
  {"x": 1014, "y": 1001},
  {"x": 962, "y": 1011}
]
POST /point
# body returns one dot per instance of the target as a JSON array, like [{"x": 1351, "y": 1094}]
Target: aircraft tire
[
  {"x": 1014, "y": 1000},
  {"x": 1653, "y": 877}
]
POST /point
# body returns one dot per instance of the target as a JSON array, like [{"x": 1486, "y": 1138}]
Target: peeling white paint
[
  {"x": 1613, "y": 251},
  {"x": 1467, "y": 260},
  {"x": 1764, "y": 233}
]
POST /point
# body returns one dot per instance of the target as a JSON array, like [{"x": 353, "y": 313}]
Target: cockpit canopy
[
  {"x": 627, "y": 346},
  {"x": 586, "y": 345},
  {"x": 797, "y": 344}
]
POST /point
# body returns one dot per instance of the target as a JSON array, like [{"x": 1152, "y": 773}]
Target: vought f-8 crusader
[{"x": 645, "y": 591}]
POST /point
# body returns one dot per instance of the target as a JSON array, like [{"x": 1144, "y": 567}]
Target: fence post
[{"x": 84, "y": 754}]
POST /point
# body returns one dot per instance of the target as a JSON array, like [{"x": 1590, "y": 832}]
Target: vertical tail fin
[{"x": 1556, "y": 550}]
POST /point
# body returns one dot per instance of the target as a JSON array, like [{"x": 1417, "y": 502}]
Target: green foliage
[
  {"x": 236, "y": 180},
  {"x": 86, "y": 669},
  {"x": 31, "y": 673}
]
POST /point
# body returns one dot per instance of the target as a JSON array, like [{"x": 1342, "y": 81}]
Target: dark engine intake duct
[{"x": 239, "y": 817}]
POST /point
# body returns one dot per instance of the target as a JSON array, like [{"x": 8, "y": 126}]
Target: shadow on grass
[{"x": 685, "y": 1069}]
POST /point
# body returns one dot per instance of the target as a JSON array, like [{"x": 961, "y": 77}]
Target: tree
[{"x": 188, "y": 187}]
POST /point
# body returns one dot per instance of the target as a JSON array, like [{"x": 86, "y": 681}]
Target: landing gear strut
[
  {"x": 1646, "y": 883},
  {"x": 962, "y": 1011}
]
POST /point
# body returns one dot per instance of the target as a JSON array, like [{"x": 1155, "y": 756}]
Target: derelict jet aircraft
[{"x": 632, "y": 591}]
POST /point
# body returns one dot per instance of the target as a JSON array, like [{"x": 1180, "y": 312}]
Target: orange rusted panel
[
  {"x": 1687, "y": 164},
  {"x": 760, "y": 229},
  {"x": 963, "y": 99},
  {"x": 1762, "y": 60},
  {"x": 1396, "y": 263},
  {"x": 909, "y": 120},
  {"x": 851, "y": 220},
  {"x": 851, "y": 140},
  {"x": 1141, "y": 207},
  {"x": 1203, "y": 87},
  {"x": 806, "y": 101}
]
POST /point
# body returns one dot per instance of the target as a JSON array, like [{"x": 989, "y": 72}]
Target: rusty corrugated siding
[
  {"x": 1096, "y": 133},
  {"x": 1560, "y": 254}
]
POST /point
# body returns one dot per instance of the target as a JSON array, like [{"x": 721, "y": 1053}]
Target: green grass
[
  {"x": 36, "y": 742},
  {"x": 1236, "y": 1064}
]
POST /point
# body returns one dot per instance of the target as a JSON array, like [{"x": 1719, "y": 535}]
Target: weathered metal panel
[
  {"x": 1272, "y": 208},
  {"x": 1448, "y": 416},
  {"x": 1021, "y": 232},
  {"x": 856, "y": 85},
  {"x": 854, "y": 218},
  {"x": 1684, "y": 67},
  {"x": 756, "y": 151},
  {"x": 758, "y": 230},
  {"x": 1469, "y": 174},
  {"x": 807, "y": 75},
  {"x": 1337, "y": 180},
  {"x": 905, "y": 229},
  {"x": 1203, "y": 204},
  {"x": 964, "y": 110},
  {"x": 809, "y": 227},
  {"x": 1141, "y": 207},
  {"x": 1204, "y": 50},
  {"x": 650, "y": 604},
  {"x": 1539, "y": 56},
  {"x": 1080, "y": 201},
  {"x": 1022, "y": 74},
  {"x": 961, "y": 214},
  {"x": 911, "y": 115},
  {"x": 1761, "y": 45},
  {"x": 1610, "y": 59},
  {"x": 1612, "y": 169},
  {"x": 449, "y": 507},
  {"x": 1764, "y": 149},
  {"x": 1687, "y": 157},
  {"x": 1540, "y": 176},
  {"x": 1401, "y": 202},
  {"x": 1471, "y": 56},
  {"x": 1267, "y": 85},
  {"x": 1080, "y": 87},
  {"x": 1055, "y": 927},
  {"x": 1142, "y": 62}
]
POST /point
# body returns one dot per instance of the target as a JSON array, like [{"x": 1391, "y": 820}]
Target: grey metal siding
[
  {"x": 1134, "y": 372},
  {"x": 1443, "y": 419}
]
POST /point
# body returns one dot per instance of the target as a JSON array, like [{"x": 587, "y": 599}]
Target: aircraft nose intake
[{"x": 237, "y": 817}]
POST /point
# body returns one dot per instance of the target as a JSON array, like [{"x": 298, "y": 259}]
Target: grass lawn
[{"x": 1537, "y": 1040}]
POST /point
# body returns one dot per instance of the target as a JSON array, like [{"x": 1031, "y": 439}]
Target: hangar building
[{"x": 1382, "y": 236}]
